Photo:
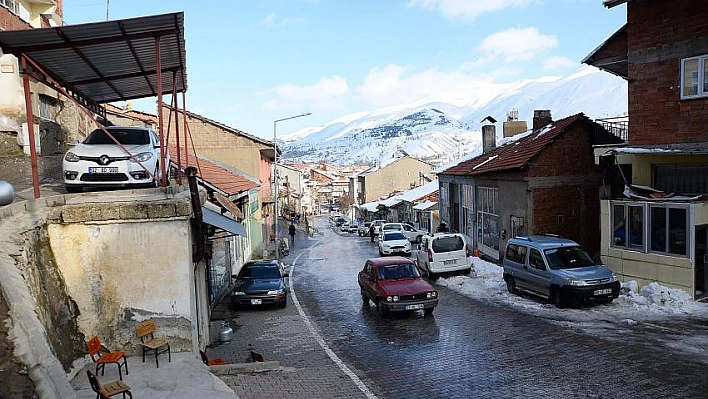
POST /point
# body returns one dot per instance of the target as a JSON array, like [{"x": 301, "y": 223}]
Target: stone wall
[{"x": 93, "y": 264}]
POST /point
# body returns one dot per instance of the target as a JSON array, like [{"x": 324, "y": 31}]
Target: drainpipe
[{"x": 197, "y": 222}]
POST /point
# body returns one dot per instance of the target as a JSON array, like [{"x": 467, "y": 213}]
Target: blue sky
[{"x": 252, "y": 62}]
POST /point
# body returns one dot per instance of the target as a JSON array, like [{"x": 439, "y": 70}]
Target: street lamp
[{"x": 275, "y": 181}]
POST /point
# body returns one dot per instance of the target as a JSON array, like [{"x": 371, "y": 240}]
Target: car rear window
[
  {"x": 568, "y": 258},
  {"x": 394, "y": 236},
  {"x": 259, "y": 272},
  {"x": 393, "y": 272},
  {"x": 448, "y": 244},
  {"x": 124, "y": 136}
]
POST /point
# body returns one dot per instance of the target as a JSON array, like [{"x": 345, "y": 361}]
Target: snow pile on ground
[{"x": 653, "y": 300}]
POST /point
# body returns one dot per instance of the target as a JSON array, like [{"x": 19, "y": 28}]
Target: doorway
[{"x": 701, "y": 259}]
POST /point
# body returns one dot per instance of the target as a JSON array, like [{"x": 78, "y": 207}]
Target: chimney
[
  {"x": 489, "y": 138},
  {"x": 541, "y": 118},
  {"x": 513, "y": 125}
]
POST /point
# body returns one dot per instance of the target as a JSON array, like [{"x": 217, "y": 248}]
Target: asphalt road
[{"x": 477, "y": 348}]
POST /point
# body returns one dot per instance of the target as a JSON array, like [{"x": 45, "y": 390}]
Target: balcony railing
[{"x": 619, "y": 126}]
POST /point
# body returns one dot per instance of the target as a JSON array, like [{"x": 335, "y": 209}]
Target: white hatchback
[
  {"x": 393, "y": 242},
  {"x": 99, "y": 162}
]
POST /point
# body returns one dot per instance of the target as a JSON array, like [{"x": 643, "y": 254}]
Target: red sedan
[{"x": 394, "y": 285}]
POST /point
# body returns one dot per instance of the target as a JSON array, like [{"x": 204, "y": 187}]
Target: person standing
[
  {"x": 371, "y": 232},
  {"x": 291, "y": 232}
]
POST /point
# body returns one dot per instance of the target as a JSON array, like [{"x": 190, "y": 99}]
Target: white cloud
[
  {"x": 395, "y": 84},
  {"x": 468, "y": 9},
  {"x": 559, "y": 62},
  {"x": 517, "y": 44},
  {"x": 326, "y": 95},
  {"x": 275, "y": 20}
]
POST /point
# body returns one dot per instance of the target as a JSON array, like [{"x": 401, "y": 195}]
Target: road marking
[{"x": 359, "y": 384}]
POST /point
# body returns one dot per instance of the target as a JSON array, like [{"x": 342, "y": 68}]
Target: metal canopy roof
[{"x": 107, "y": 61}]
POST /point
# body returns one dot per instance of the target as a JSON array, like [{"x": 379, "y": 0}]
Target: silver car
[{"x": 99, "y": 162}]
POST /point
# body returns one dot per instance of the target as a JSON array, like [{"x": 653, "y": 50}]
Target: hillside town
[{"x": 163, "y": 252}]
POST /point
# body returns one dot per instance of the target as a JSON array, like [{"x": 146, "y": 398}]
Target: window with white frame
[
  {"x": 467, "y": 203},
  {"x": 488, "y": 217},
  {"x": 12, "y": 5},
  {"x": 649, "y": 227},
  {"x": 694, "y": 77}
]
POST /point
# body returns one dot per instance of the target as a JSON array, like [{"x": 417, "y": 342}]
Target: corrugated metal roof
[{"x": 107, "y": 61}]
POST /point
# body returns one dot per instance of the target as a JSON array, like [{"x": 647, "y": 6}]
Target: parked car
[
  {"x": 99, "y": 162},
  {"x": 353, "y": 227},
  {"x": 363, "y": 229},
  {"x": 339, "y": 221},
  {"x": 377, "y": 226},
  {"x": 443, "y": 253},
  {"x": 393, "y": 242},
  {"x": 344, "y": 226},
  {"x": 414, "y": 235},
  {"x": 558, "y": 269},
  {"x": 260, "y": 283},
  {"x": 394, "y": 285}
]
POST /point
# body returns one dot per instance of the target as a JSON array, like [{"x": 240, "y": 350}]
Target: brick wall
[
  {"x": 564, "y": 181},
  {"x": 660, "y": 34},
  {"x": 10, "y": 21}
]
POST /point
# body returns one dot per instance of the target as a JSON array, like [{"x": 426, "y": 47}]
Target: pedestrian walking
[
  {"x": 371, "y": 232},
  {"x": 291, "y": 232}
]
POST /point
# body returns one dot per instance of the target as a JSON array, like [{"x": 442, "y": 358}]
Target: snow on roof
[
  {"x": 419, "y": 192},
  {"x": 424, "y": 206}
]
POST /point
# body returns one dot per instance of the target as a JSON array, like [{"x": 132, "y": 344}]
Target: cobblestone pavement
[{"x": 477, "y": 348}]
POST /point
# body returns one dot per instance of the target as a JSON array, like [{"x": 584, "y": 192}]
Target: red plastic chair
[{"x": 102, "y": 356}]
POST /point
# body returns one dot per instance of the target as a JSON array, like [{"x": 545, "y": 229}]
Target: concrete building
[
  {"x": 657, "y": 231},
  {"x": 402, "y": 174}
]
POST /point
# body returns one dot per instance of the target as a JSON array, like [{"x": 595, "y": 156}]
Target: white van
[{"x": 443, "y": 253}]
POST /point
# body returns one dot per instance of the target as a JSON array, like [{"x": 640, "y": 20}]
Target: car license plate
[
  {"x": 449, "y": 262},
  {"x": 414, "y": 307},
  {"x": 256, "y": 301},
  {"x": 103, "y": 169},
  {"x": 603, "y": 292}
]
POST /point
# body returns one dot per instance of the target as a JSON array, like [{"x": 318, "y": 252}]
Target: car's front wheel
[
  {"x": 283, "y": 304},
  {"x": 557, "y": 298},
  {"x": 380, "y": 308},
  {"x": 428, "y": 311},
  {"x": 73, "y": 189}
]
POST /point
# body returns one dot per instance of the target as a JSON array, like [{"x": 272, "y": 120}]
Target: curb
[{"x": 245, "y": 368}]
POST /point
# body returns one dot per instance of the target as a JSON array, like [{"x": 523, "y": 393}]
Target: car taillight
[{"x": 430, "y": 255}]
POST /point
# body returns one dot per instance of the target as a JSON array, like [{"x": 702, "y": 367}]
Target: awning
[{"x": 218, "y": 220}]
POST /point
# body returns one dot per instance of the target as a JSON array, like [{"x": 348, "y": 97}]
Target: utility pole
[{"x": 108, "y": 2}]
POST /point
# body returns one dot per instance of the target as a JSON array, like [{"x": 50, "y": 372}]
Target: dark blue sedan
[{"x": 259, "y": 283}]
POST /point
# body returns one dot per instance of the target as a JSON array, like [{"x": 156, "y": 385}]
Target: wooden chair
[
  {"x": 146, "y": 333},
  {"x": 102, "y": 356},
  {"x": 108, "y": 390},
  {"x": 211, "y": 362}
]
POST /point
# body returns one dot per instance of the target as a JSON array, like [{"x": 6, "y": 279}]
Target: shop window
[{"x": 648, "y": 227}]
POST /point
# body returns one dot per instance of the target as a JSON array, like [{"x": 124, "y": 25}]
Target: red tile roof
[
  {"x": 223, "y": 179},
  {"x": 515, "y": 154}
]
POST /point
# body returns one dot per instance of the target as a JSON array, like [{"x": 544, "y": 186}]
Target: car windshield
[
  {"x": 448, "y": 244},
  {"x": 394, "y": 236},
  {"x": 124, "y": 136},
  {"x": 259, "y": 272},
  {"x": 393, "y": 272},
  {"x": 568, "y": 258},
  {"x": 392, "y": 227}
]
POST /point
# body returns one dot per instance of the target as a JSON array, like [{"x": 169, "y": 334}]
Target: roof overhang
[
  {"x": 106, "y": 61},
  {"x": 614, "y": 3},
  {"x": 225, "y": 223},
  {"x": 665, "y": 149}
]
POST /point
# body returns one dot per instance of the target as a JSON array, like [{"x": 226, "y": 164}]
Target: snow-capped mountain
[{"x": 439, "y": 132}]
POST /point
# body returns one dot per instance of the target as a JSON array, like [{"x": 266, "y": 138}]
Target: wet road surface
[{"x": 477, "y": 348}]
